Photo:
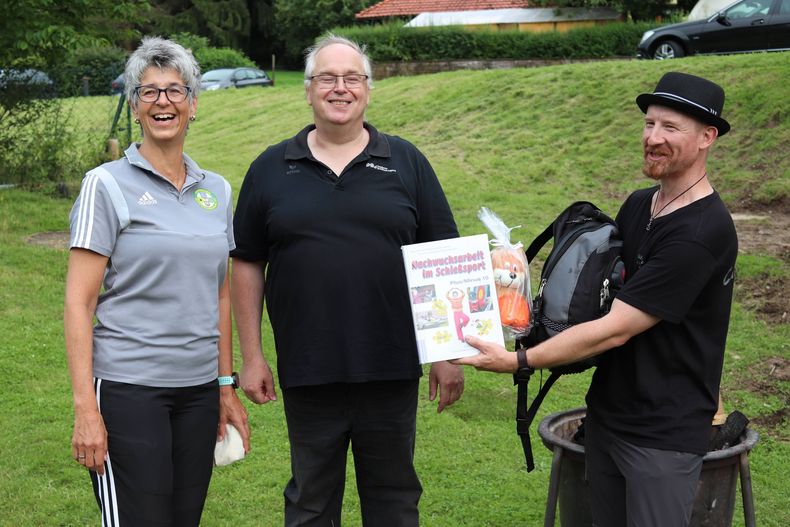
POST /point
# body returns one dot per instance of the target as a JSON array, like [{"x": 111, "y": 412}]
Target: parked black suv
[{"x": 747, "y": 25}]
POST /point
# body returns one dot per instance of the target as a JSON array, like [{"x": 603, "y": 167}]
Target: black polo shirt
[{"x": 335, "y": 285}]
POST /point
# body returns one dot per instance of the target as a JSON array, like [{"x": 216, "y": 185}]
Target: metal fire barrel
[{"x": 714, "y": 504}]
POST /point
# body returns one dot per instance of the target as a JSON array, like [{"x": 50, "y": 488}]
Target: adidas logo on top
[{"x": 146, "y": 199}]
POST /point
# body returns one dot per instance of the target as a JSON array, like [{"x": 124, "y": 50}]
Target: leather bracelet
[
  {"x": 524, "y": 372},
  {"x": 521, "y": 355}
]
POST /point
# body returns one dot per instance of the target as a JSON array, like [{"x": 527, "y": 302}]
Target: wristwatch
[{"x": 229, "y": 380}]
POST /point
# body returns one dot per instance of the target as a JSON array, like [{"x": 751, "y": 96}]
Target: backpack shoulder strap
[
  {"x": 552, "y": 228},
  {"x": 525, "y": 415},
  {"x": 538, "y": 243}
]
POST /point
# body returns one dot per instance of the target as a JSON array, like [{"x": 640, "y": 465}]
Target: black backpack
[{"x": 578, "y": 282}]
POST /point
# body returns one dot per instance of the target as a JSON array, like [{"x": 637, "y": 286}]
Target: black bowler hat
[{"x": 689, "y": 94}]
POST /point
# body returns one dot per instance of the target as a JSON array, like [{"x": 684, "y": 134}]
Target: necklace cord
[{"x": 658, "y": 195}]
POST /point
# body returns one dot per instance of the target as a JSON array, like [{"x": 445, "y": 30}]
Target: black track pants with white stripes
[{"x": 161, "y": 445}]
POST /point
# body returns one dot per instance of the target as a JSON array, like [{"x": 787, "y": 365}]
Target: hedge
[
  {"x": 215, "y": 58},
  {"x": 210, "y": 58},
  {"x": 100, "y": 65},
  {"x": 394, "y": 42},
  {"x": 103, "y": 64}
]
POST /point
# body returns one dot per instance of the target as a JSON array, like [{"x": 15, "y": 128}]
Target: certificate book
[{"x": 452, "y": 294}]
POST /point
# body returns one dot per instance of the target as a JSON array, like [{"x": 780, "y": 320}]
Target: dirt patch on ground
[
  {"x": 54, "y": 240},
  {"x": 766, "y": 377},
  {"x": 765, "y": 232}
]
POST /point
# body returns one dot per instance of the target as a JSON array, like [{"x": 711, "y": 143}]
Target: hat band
[{"x": 683, "y": 99}]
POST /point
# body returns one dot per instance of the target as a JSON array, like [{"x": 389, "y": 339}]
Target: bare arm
[
  {"x": 83, "y": 283},
  {"x": 592, "y": 338},
  {"x": 256, "y": 377},
  {"x": 230, "y": 409},
  {"x": 574, "y": 344}
]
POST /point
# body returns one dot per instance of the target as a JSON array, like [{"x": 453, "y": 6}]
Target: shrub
[
  {"x": 191, "y": 42},
  {"x": 394, "y": 42},
  {"x": 32, "y": 137},
  {"x": 99, "y": 64},
  {"x": 213, "y": 58}
]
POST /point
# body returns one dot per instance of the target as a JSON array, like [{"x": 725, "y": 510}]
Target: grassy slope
[{"x": 523, "y": 142}]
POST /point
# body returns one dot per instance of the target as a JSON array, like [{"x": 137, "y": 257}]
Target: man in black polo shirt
[
  {"x": 655, "y": 391},
  {"x": 319, "y": 224}
]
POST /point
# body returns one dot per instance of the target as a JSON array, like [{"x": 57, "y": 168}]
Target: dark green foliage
[
  {"x": 393, "y": 42},
  {"x": 636, "y": 9},
  {"x": 299, "y": 22},
  {"x": 100, "y": 65},
  {"x": 190, "y": 41},
  {"x": 45, "y": 31},
  {"x": 650, "y": 9},
  {"x": 224, "y": 22},
  {"x": 32, "y": 138},
  {"x": 213, "y": 58}
]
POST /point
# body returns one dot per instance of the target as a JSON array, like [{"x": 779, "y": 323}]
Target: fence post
[
  {"x": 114, "y": 129},
  {"x": 128, "y": 125}
]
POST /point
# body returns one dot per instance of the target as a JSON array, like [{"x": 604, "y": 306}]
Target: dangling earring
[
  {"x": 192, "y": 117},
  {"x": 136, "y": 120}
]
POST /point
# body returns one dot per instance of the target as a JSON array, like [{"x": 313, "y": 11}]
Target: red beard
[{"x": 658, "y": 169}]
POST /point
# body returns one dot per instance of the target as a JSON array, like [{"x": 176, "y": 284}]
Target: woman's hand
[
  {"x": 232, "y": 411},
  {"x": 89, "y": 440}
]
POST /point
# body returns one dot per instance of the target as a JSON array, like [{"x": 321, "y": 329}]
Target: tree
[
  {"x": 226, "y": 23},
  {"x": 244, "y": 25},
  {"x": 300, "y": 22},
  {"x": 263, "y": 42},
  {"x": 35, "y": 143},
  {"x": 42, "y": 32},
  {"x": 635, "y": 9}
]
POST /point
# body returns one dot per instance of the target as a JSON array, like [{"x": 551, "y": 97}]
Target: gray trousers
[{"x": 634, "y": 486}]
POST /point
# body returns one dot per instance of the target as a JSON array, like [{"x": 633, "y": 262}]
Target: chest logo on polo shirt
[
  {"x": 206, "y": 199},
  {"x": 147, "y": 199},
  {"x": 379, "y": 167}
]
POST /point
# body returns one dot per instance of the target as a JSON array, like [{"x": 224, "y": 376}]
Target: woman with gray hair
[{"x": 152, "y": 379}]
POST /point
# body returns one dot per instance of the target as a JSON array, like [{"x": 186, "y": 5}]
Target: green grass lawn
[{"x": 523, "y": 142}]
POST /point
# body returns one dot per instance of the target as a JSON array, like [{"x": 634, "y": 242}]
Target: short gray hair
[
  {"x": 328, "y": 40},
  {"x": 163, "y": 54}
]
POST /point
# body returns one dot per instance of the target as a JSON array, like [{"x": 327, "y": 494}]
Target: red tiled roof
[{"x": 387, "y": 8}]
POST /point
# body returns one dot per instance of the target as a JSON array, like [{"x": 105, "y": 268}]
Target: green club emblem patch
[{"x": 206, "y": 199}]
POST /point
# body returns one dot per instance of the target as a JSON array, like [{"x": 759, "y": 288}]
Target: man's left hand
[
  {"x": 492, "y": 357},
  {"x": 448, "y": 380}
]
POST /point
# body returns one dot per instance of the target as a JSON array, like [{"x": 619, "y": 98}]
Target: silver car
[{"x": 233, "y": 78}]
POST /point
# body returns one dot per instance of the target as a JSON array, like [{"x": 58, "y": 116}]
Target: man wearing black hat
[{"x": 655, "y": 391}]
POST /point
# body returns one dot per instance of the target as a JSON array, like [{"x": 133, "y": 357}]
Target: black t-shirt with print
[{"x": 660, "y": 390}]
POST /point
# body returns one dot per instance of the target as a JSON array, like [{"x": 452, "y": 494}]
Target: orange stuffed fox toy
[{"x": 510, "y": 277}]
